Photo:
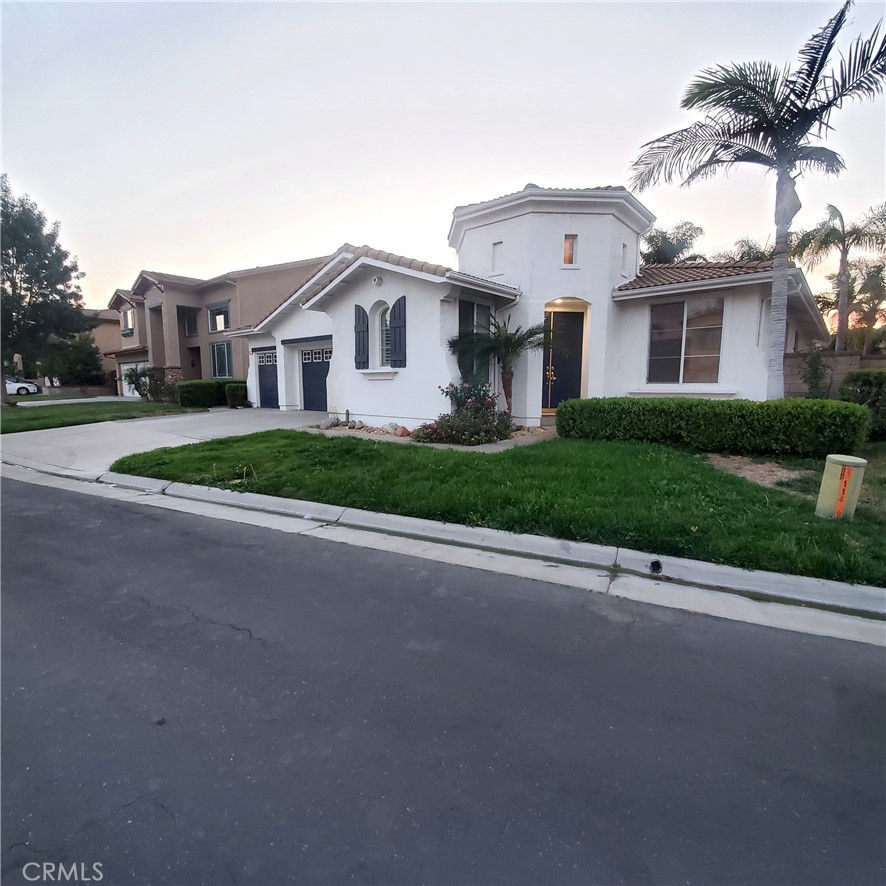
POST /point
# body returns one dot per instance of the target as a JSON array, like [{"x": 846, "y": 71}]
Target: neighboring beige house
[
  {"x": 177, "y": 323},
  {"x": 106, "y": 335}
]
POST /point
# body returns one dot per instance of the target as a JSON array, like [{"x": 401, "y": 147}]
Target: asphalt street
[{"x": 189, "y": 701}]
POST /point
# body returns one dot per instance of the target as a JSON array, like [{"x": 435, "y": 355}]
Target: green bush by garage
[
  {"x": 868, "y": 388},
  {"x": 235, "y": 394},
  {"x": 206, "y": 393},
  {"x": 806, "y": 428}
]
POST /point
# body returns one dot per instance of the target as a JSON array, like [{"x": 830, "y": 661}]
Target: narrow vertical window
[
  {"x": 569, "y": 249},
  {"x": 624, "y": 258},
  {"x": 496, "y": 257},
  {"x": 384, "y": 338}
]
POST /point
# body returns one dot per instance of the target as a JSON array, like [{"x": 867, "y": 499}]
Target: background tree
[
  {"x": 769, "y": 115},
  {"x": 746, "y": 249},
  {"x": 39, "y": 291},
  {"x": 75, "y": 361},
  {"x": 868, "y": 308},
  {"x": 480, "y": 344},
  {"x": 664, "y": 247},
  {"x": 832, "y": 234}
]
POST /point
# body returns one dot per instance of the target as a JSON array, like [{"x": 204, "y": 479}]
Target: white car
[{"x": 16, "y": 386}]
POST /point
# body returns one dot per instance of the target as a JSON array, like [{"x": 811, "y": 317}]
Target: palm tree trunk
[
  {"x": 842, "y": 302},
  {"x": 787, "y": 205},
  {"x": 868, "y": 337},
  {"x": 507, "y": 386}
]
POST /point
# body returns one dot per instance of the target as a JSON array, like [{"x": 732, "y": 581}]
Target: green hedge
[
  {"x": 235, "y": 393},
  {"x": 205, "y": 394},
  {"x": 868, "y": 387},
  {"x": 808, "y": 428}
]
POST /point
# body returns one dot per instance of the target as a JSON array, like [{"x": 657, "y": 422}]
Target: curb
[
  {"x": 859, "y": 600},
  {"x": 863, "y": 600}
]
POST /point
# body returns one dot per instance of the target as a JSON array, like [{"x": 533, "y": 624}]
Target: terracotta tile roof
[
  {"x": 693, "y": 271},
  {"x": 534, "y": 187},
  {"x": 391, "y": 258}
]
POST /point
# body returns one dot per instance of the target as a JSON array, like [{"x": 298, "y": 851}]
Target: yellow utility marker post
[{"x": 840, "y": 485}]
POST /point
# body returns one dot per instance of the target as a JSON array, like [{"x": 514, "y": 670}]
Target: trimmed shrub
[
  {"x": 235, "y": 393},
  {"x": 205, "y": 393},
  {"x": 806, "y": 428},
  {"x": 868, "y": 388}
]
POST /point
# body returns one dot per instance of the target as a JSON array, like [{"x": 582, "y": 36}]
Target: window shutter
[
  {"x": 361, "y": 338},
  {"x": 398, "y": 333}
]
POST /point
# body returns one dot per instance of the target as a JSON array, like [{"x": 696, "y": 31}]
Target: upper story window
[
  {"x": 128, "y": 319},
  {"x": 495, "y": 258},
  {"x": 219, "y": 318},
  {"x": 684, "y": 342},
  {"x": 624, "y": 258},
  {"x": 384, "y": 337},
  {"x": 190, "y": 324},
  {"x": 569, "y": 249}
]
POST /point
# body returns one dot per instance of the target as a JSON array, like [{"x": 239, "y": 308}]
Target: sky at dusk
[{"x": 196, "y": 138}]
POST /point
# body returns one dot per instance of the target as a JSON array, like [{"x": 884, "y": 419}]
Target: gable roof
[
  {"x": 693, "y": 271},
  {"x": 347, "y": 256}
]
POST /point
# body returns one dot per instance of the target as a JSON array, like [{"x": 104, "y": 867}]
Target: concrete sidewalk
[{"x": 75, "y": 400}]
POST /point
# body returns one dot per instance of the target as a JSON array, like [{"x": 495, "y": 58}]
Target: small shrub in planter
[
  {"x": 475, "y": 419},
  {"x": 806, "y": 428},
  {"x": 205, "y": 393},
  {"x": 235, "y": 394},
  {"x": 867, "y": 387}
]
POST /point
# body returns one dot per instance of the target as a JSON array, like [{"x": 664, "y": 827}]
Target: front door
[
  {"x": 267, "y": 380},
  {"x": 314, "y": 369},
  {"x": 562, "y": 357}
]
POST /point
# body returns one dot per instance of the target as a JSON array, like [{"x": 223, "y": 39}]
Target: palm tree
[
  {"x": 870, "y": 301},
  {"x": 666, "y": 247},
  {"x": 478, "y": 345},
  {"x": 746, "y": 249},
  {"x": 833, "y": 234},
  {"x": 769, "y": 116}
]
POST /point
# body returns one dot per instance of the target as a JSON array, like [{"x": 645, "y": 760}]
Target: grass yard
[
  {"x": 635, "y": 495},
  {"x": 21, "y": 418}
]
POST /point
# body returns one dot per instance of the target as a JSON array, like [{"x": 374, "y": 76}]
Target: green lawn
[
  {"x": 646, "y": 497},
  {"x": 35, "y": 418}
]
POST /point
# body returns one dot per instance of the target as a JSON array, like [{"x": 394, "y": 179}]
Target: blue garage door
[
  {"x": 314, "y": 369},
  {"x": 267, "y": 380}
]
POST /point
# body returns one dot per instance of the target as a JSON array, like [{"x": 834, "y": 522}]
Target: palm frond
[
  {"x": 816, "y": 158},
  {"x": 697, "y": 151},
  {"x": 860, "y": 75},
  {"x": 805, "y": 82},
  {"x": 814, "y": 245},
  {"x": 748, "y": 90}
]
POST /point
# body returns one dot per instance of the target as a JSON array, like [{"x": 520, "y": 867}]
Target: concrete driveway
[{"x": 94, "y": 448}]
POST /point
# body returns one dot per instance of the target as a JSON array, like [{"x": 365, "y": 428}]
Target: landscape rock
[
  {"x": 358, "y": 425},
  {"x": 352, "y": 425},
  {"x": 328, "y": 423},
  {"x": 391, "y": 427},
  {"x": 402, "y": 432}
]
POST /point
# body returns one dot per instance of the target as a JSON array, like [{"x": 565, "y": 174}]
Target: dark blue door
[
  {"x": 562, "y": 357},
  {"x": 314, "y": 369},
  {"x": 267, "y": 380}
]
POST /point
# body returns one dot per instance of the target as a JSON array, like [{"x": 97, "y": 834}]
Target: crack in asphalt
[{"x": 221, "y": 624}]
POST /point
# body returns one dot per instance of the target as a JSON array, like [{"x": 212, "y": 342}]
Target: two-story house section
[{"x": 177, "y": 324}]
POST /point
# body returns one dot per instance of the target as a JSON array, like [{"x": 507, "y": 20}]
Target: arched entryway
[{"x": 564, "y": 357}]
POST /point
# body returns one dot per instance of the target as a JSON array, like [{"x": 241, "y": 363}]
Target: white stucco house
[{"x": 366, "y": 334}]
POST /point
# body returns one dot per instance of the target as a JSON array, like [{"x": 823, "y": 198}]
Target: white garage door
[{"x": 128, "y": 390}]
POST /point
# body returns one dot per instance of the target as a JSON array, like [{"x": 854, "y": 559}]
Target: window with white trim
[
  {"x": 384, "y": 337},
  {"x": 219, "y": 318},
  {"x": 684, "y": 342},
  {"x": 222, "y": 363},
  {"x": 128, "y": 319},
  {"x": 495, "y": 257},
  {"x": 269, "y": 358},
  {"x": 570, "y": 242},
  {"x": 472, "y": 315}
]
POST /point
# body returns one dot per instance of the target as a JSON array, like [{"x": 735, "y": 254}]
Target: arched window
[{"x": 384, "y": 337}]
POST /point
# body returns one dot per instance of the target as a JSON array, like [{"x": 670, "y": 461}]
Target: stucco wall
[{"x": 408, "y": 396}]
